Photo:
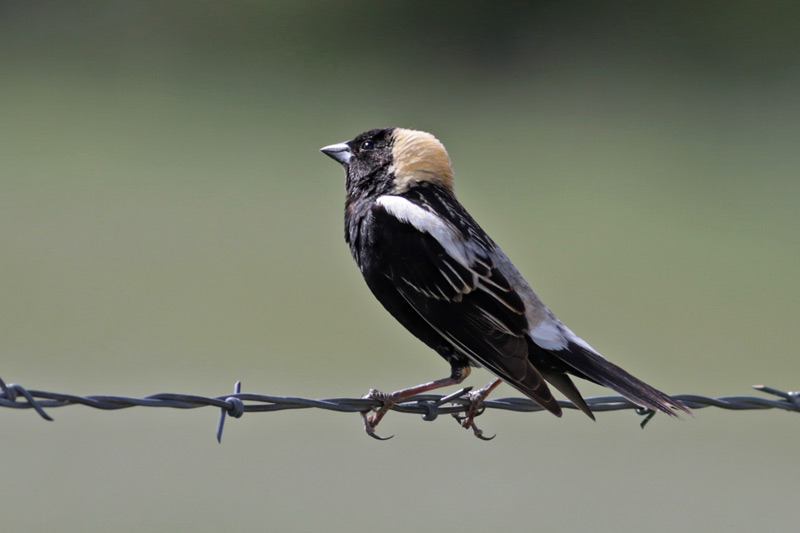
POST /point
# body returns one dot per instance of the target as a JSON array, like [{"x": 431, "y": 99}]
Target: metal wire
[{"x": 430, "y": 406}]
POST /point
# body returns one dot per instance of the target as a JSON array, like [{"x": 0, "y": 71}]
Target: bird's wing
[{"x": 452, "y": 282}]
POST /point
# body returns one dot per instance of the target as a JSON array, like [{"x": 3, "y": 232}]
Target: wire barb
[
  {"x": 647, "y": 415},
  {"x": 10, "y": 393},
  {"x": 792, "y": 396},
  {"x": 429, "y": 406},
  {"x": 234, "y": 408}
]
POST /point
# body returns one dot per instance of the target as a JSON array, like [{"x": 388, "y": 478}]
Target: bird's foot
[
  {"x": 388, "y": 400},
  {"x": 475, "y": 408}
]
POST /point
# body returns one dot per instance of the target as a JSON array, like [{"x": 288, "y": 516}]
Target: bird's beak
[{"x": 340, "y": 152}]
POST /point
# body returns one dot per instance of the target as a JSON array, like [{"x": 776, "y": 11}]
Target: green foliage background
[{"x": 168, "y": 225}]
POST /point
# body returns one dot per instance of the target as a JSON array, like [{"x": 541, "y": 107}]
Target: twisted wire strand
[{"x": 430, "y": 406}]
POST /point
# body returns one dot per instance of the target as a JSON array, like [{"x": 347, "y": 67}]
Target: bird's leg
[
  {"x": 475, "y": 402},
  {"x": 389, "y": 400}
]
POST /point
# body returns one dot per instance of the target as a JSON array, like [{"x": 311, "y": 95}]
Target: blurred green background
[{"x": 167, "y": 224}]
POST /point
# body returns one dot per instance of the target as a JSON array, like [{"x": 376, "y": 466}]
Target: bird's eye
[{"x": 366, "y": 145}]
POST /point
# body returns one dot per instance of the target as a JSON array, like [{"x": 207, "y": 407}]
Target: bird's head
[{"x": 392, "y": 161}]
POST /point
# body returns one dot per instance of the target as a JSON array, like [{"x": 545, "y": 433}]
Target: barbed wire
[{"x": 430, "y": 406}]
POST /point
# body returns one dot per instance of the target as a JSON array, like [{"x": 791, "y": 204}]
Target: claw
[
  {"x": 479, "y": 434},
  {"x": 369, "y": 427},
  {"x": 468, "y": 422}
]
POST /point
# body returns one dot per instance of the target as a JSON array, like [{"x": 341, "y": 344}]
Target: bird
[{"x": 439, "y": 274}]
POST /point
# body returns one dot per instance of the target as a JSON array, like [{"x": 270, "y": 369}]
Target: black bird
[{"x": 443, "y": 278}]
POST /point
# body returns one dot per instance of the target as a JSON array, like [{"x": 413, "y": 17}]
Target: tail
[
  {"x": 562, "y": 382},
  {"x": 590, "y": 365},
  {"x": 534, "y": 386}
]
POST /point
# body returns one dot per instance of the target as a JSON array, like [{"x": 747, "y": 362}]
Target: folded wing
[{"x": 455, "y": 287}]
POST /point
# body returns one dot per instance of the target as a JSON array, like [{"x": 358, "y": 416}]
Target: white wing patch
[
  {"x": 548, "y": 335},
  {"x": 577, "y": 340},
  {"x": 552, "y": 334},
  {"x": 438, "y": 228}
]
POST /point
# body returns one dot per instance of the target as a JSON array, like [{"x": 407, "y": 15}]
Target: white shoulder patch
[{"x": 422, "y": 219}]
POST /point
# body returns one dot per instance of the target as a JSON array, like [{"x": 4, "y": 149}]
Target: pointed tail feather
[
  {"x": 534, "y": 387},
  {"x": 564, "y": 384},
  {"x": 596, "y": 368}
]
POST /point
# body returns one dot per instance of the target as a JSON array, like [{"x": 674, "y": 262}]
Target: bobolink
[{"x": 443, "y": 278}]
